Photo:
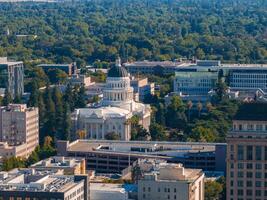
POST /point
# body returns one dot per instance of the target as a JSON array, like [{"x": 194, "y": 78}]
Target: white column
[
  {"x": 103, "y": 137},
  {"x": 97, "y": 131},
  {"x": 91, "y": 131}
]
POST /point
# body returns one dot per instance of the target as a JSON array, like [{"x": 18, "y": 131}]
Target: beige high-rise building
[
  {"x": 19, "y": 127},
  {"x": 247, "y": 154},
  {"x": 172, "y": 181}
]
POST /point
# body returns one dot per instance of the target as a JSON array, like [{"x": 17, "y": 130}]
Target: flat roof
[
  {"x": 32, "y": 180},
  {"x": 140, "y": 148}
]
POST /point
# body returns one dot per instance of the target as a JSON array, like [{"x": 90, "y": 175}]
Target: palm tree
[
  {"x": 209, "y": 106},
  {"x": 199, "y": 108},
  {"x": 189, "y": 107}
]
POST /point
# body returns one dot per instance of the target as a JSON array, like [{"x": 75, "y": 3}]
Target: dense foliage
[{"x": 88, "y": 31}]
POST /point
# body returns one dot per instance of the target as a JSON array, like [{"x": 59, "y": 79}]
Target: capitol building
[{"x": 115, "y": 110}]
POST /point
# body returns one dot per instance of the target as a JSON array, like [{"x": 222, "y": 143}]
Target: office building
[
  {"x": 70, "y": 166},
  {"x": 12, "y": 76},
  {"x": 142, "y": 87},
  {"x": 196, "y": 81},
  {"x": 19, "y": 126},
  {"x": 105, "y": 156},
  {"x": 78, "y": 79},
  {"x": 172, "y": 181},
  {"x": 104, "y": 191},
  {"x": 247, "y": 77},
  {"x": 247, "y": 154},
  {"x": 69, "y": 69},
  {"x": 40, "y": 184},
  {"x": 113, "y": 114},
  {"x": 151, "y": 67}
]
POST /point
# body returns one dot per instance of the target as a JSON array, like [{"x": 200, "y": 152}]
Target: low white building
[
  {"x": 172, "y": 181},
  {"x": 103, "y": 191},
  {"x": 115, "y": 110}
]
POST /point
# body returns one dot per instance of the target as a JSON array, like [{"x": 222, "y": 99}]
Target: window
[
  {"x": 175, "y": 190},
  {"x": 265, "y": 152},
  {"x": 249, "y": 183},
  {"x": 240, "y": 192},
  {"x": 258, "y": 166},
  {"x": 249, "y": 174},
  {"x": 249, "y": 152},
  {"x": 258, "y": 175},
  {"x": 249, "y": 192},
  {"x": 240, "y": 174},
  {"x": 232, "y": 165},
  {"x": 148, "y": 189},
  {"x": 232, "y": 183},
  {"x": 231, "y": 174},
  {"x": 174, "y": 197},
  {"x": 250, "y": 127},
  {"x": 258, "y": 153},
  {"x": 239, "y": 183},
  {"x": 258, "y": 183},
  {"x": 240, "y": 165},
  {"x": 258, "y": 193},
  {"x": 259, "y": 127},
  {"x": 144, "y": 189},
  {"x": 144, "y": 196},
  {"x": 249, "y": 166},
  {"x": 158, "y": 189}
]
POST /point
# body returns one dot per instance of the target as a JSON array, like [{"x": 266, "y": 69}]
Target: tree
[
  {"x": 33, "y": 158},
  {"x": 57, "y": 99},
  {"x": 57, "y": 76},
  {"x": 66, "y": 125},
  {"x": 112, "y": 136},
  {"x": 213, "y": 190},
  {"x": 221, "y": 89},
  {"x": 157, "y": 132},
  {"x": 199, "y": 108},
  {"x": 137, "y": 173},
  {"x": 160, "y": 114},
  {"x": 17, "y": 99},
  {"x": 202, "y": 134},
  {"x": 81, "y": 134},
  {"x": 81, "y": 102},
  {"x": 7, "y": 98},
  {"x": 33, "y": 100},
  {"x": 209, "y": 106},
  {"x": 189, "y": 107},
  {"x": 12, "y": 162},
  {"x": 175, "y": 116}
]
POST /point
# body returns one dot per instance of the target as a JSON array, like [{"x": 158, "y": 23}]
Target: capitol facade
[{"x": 115, "y": 111}]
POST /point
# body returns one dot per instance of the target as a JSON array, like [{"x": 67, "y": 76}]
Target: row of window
[
  {"x": 241, "y": 174},
  {"x": 148, "y": 189},
  {"x": 249, "y": 192},
  {"x": 249, "y": 152},
  {"x": 241, "y": 183},
  {"x": 250, "y": 127}
]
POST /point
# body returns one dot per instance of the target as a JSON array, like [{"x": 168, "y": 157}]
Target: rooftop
[
  {"x": 58, "y": 162},
  {"x": 103, "y": 112},
  {"x": 53, "y": 65},
  {"x": 141, "y": 148},
  {"x": 5, "y": 61},
  {"x": 35, "y": 181},
  {"x": 173, "y": 172},
  {"x": 152, "y": 63},
  {"x": 16, "y": 108}
]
